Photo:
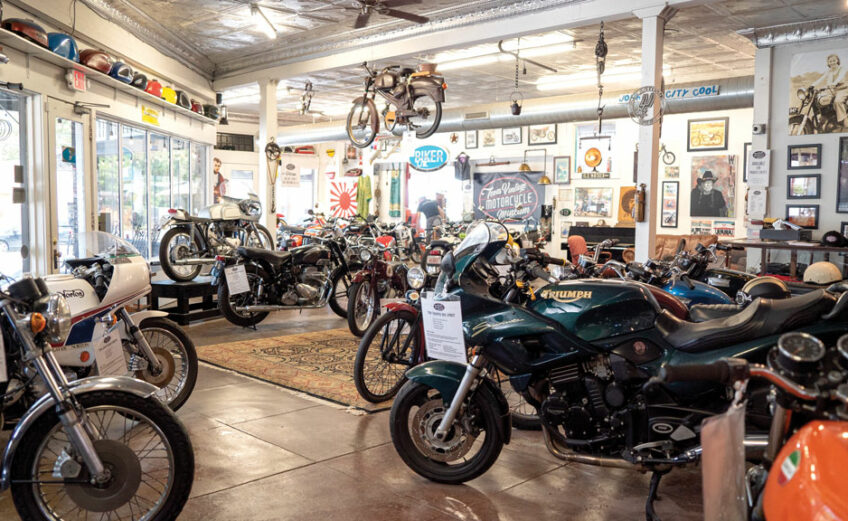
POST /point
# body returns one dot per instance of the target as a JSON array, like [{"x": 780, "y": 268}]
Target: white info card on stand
[{"x": 443, "y": 328}]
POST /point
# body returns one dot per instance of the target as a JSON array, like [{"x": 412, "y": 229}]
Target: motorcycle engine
[{"x": 308, "y": 289}]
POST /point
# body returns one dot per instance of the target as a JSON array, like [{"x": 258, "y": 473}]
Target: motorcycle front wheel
[
  {"x": 142, "y": 443},
  {"x": 363, "y": 306},
  {"x": 227, "y": 303},
  {"x": 384, "y": 355},
  {"x": 263, "y": 240},
  {"x": 176, "y": 245},
  {"x": 178, "y": 356},
  {"x": 471, "y": 446},
  {"x": 362, "y": 123},
  {"x": 429, "y": 115}
]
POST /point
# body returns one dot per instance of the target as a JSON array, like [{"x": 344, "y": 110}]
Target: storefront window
[
  {"x": 292, "y": 202},
  {"x": 108, "y": 177},
  {"x": 134, "y": 180},
  {"x": 160, "y": 184},
  {"x": 179, "y": 173},
  {"x": 200, "y": 173}
]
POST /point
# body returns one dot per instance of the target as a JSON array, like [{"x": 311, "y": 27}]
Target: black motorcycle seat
[
  {"x": 763, "y": 317},
  {"x": 274, "y": 258},
  {"x": 704, "y": 312},
  {"x": 293, "y": 229}
]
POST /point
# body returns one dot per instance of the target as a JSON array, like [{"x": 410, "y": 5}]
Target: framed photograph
[
  {"x": 670, "y": 197},
  {"x": 843, "y": 228},
  {"x": 745, "y": 162},
  {"x": 804, "y": 215},
  {"x": 626, "y": 201},
  {"x": 706, "y": 134},
  {"x": 842, "y": 187},
  {"x": 511, "y": 136},
  {"x": 800, "y": 157},
  {"x": 713, "y": 186},
  {"x": 810, "y": 72},
  {"x": 593, "y": 202},
  {"x": 672, "y": 172},
  {"x": 562, "y": 170},
  {"x": 470, "y": 139},
  {"x": 488, "y": 137},
  {"x": 542, "y": 134},
  {"x": 803, "y": 186}
]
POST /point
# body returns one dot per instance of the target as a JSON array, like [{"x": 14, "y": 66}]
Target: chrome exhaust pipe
[
  {"x": 262, "y": 308},
  {"x": 192, "y": 262},
  {"x": 587, "y": 459}
]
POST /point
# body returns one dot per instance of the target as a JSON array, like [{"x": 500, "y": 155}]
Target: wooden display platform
[{"x": 185, "y": 311}]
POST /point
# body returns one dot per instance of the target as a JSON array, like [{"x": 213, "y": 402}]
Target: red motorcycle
[{"x": 381, "y": 277}]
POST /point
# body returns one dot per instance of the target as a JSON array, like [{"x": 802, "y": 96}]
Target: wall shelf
[{"x": 12, "y": 40}]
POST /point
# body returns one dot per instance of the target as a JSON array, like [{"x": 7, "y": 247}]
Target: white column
[
  {"x": 653, "y": 25},
  {"x": 267, "y": 131},
  {"x": 762, "y": 115}
]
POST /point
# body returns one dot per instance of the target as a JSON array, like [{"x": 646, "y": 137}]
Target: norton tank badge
[{"x": 566, "y": 296}]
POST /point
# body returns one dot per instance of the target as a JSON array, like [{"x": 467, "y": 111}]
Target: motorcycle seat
[
  {"x": 274, "y": 258},
  {"x": 297, "y": 230},
  {"x": 704, "y": 312},
  {"x": 761, "y": 318}
]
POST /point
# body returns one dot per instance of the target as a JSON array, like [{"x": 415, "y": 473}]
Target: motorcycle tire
[
  {"x": 372, "y": 344},
  {"x": 352, "y": 300},
  {"x": 226, "y": 306},
  {"x": 484, "y": 414},
  {"x": 25, "y": 495},
  {"x": 340, "y": 276},
  {"x": 372, "y": 123},
  {"x": 165, "y": 259},
  {"x": 436, "y": 115},
  {"x": 268, "y": 239},
  {"x": 188, "y": 353}
]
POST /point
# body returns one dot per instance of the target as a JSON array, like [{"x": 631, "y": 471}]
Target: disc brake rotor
[
  {"x": 425, "y": 422},
  {"x": 166, "y": 359},
  {"x": 125, "y": 479}
]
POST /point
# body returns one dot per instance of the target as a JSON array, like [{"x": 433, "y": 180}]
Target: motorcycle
[
  {"x": 801, "y": 473},
  {"x": 380, "y": 277},
  {"x": 85, "y": 446},
  {"x": 417, "y": 99},
  {"x": 258, "y": 281},
  {"x": 580, "y": 353},
  {"x": 193, "y": 242},
  {"x": 816, "y": 115},
  {"x": 98, "y": 290}
]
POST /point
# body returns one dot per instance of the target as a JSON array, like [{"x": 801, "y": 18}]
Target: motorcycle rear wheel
[
  {"x": 360, "y": 312},
  {"x": 255, "y": 277},
  {"x": 178, "y": 273},
  {"x": 384, "y": 355},
  {"x": 339, "y": 292},
  {"x": 265, "y": 240},
  {"x": 425, "y": 125},
  {"x": 362, "y": 123}
]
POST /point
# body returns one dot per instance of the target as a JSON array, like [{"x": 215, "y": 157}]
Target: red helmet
[
  {"x": 97, "y": 60},
  {"x": 196, "y": 106},
  {"x": 28, "y": 29},
  {"x": 154, "y": 87}
]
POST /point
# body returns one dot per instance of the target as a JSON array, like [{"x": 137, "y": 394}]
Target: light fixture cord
[{"x": 600, "y": 64}]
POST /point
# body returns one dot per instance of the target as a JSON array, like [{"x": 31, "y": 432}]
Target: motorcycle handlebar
[{"x": 539, "y": 272}]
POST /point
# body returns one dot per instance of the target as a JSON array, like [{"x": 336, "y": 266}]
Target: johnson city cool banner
[{"x": 508, "y": 195}]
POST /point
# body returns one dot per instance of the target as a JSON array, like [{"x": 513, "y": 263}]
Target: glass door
[
  {"x": 69, "y": 184},
  {"x": 14, "y": 173}
]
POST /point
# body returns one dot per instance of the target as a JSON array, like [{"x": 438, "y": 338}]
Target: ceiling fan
[{"x": 387, "y": 8}]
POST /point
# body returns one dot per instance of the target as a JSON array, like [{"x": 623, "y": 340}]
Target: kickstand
[{"x": 650, "y": 514}]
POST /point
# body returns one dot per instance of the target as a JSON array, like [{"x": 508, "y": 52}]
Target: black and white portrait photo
[
  {"x": 818, "y": 92},
  {"x": 706, "y": 200}
]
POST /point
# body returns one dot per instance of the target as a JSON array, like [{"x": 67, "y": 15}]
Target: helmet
[
  {"x": 169, "y": 94},
  {"x": 182, "y": 99},
  {"x": 762, "y": 287},
  {"x": 139, "y": 81},
  {"x": 97, "y": 60},
  {"x": 822, "y": 273},
  {"x": 211, "y": 111},
  {"x": 121, "y": 72},
  {"x": 154, "y": 87},
  {"x": 196, "y": 106},
  {"x": 64, "y": 45},
  {"x": 834, "y": 238},
  {"x": 28, "y": 29}
]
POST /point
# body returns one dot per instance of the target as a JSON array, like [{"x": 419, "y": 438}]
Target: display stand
[
  {"x": 793, "y": 247},
  {"x": 185, "y": 311}
]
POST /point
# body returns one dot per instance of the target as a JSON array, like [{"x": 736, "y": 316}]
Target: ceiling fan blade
[
  {"x": 400, "y": 3},
  {"x": 406, "y": 16},
  {"x": 361, "y": 20}
]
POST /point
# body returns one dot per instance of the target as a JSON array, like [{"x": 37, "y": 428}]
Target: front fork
[
  {"x": 472, "y": 372},
  {"x": 153, "y": 363}
]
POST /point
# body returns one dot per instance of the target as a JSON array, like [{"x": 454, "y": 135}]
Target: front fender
[
  {"x": 139, "y": 317},
  {"x": 361, "y": 276},
  {"x": 402, "y": 306},
  {"x": 46, "y": 403}
]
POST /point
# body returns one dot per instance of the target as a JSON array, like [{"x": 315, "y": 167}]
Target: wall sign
[
  {"x": 700, "y": 91},
  {"x": 759, "y": 162},
  {"x": 150, "y": 115},
  {"x": 76, "y": 80},
  {"x": 508, "y": 196},
  {"x": 428, "y": 158}
]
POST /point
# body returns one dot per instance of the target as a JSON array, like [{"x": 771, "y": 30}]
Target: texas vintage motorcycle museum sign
[
  {"x": 508, "y": 196},
  {"x": 428, "y": 158}
]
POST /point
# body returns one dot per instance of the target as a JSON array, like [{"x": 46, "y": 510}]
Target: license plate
[{"x": 434, "y": 259}]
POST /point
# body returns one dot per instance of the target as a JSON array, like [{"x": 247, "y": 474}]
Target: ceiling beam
[{"x": 576, "y": 14}]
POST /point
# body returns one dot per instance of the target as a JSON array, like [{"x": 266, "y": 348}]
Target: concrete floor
[{"x": 266, "y": 453}]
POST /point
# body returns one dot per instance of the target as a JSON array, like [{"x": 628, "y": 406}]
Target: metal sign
[
  {"x": 428, "y": 158},
  {"x": 642, "y": 104},
  {"x": 701, "y": 91}
]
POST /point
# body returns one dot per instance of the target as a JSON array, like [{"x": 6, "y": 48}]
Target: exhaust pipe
[
  {"x": 263, "y": 308},
  {"x": 192, "y": 262}
]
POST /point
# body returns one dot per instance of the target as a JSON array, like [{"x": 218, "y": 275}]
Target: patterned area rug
[{"x": 319, "y": 363}]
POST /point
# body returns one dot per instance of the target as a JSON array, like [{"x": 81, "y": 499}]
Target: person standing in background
[{"x": 433, "y": 213}]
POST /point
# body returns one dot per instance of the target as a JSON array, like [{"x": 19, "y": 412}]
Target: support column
[
  {"x": 267, "y": 131},
  {"x": 653, "y": 25},
  {"x": 762, "y": 115}
]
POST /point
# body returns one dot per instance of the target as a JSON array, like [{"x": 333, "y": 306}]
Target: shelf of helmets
[{"x": 10, "y": 39}]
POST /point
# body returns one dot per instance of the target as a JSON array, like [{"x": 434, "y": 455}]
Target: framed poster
[
  {"x": 724, "y": 229},
  {"x": 706, "y": 134},
  {"x": 488, "y": 137},
  {"x": 594, "y": 151},
  {"x": 811, "y": 72},
  {"x": 593, "y": 202},
  {"x": 713, "y": 186},
  {"x": 670, "y": 198},
  {"x": 745, "y": 162},
  {"x": 511, "y": 136},
  {"x": 701, "y": 227},
  {"x": 542, "y": 134},
  {"x": 843, "y": 228},
  {"x": 800, "y": 157},
  {"x": 562, "y": 170},
  {"x": 626, "y": 201},
  {"x": 470, "y": 139},
  {"x": 803, "y": 186},
  {"x": 842, "y": 187},
  {"x": 804, "y": 215},
  {"x": 672, "y": 172}
]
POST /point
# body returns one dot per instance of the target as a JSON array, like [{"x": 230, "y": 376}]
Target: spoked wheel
[
  {"x": 362, "y": 308},
  {"x": 229, "y": 303},
  {"x": 362, "y": 123},
  {"x": 177, "y": 245},
  {"x": 471, "y": 446},
  {"x": 339, "y": 293},
  {"x": 428, "y": 115},
  {"x": 385, "y": 353},
  {"x": 142, "y": 444},
  {"x": 524, "y": 415},
  {"x": 260, "y": 239}
]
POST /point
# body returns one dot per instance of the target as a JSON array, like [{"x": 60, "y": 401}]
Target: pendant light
[{"x": 525, "y": 167}]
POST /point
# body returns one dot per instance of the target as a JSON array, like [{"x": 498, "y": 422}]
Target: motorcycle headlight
[
  {"x": 415, "y": 277},
  {"x": 802, "y": 94},
  {"x": 58, "y": 317},
  {"x": 251, "y": 207},
  {"x": 365, "y": 255}
]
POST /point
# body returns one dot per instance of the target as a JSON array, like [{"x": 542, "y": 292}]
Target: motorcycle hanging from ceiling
[{"x": 414, "y": 100}]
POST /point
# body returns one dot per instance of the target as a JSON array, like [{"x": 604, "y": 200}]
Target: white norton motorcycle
[{"x": 105, "y": 337}]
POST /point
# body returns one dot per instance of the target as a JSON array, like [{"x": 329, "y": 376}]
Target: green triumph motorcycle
[{"x": 581, "y": 352}]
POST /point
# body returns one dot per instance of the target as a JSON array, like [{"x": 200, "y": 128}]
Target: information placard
[
  {"x": 443, "y": 328},
  {"x": 237, "y": 279},
  {"x": 109, "y": 351}
]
